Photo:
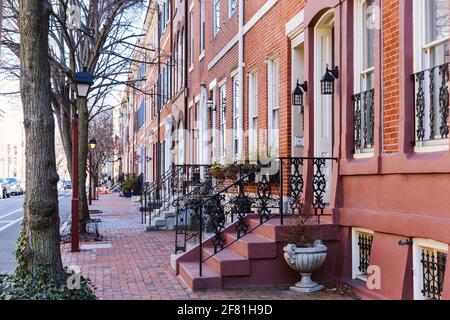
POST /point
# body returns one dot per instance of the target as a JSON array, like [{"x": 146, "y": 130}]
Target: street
[{"x": 11, "y": 215}]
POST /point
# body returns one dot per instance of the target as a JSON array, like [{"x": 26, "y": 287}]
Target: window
[
  {"x": 429, "y": 261},
  {"x": 361, "y": 247},
  {"x": 253, "y": 116},
  {"x": 431, "y": 64},
  {"x": 196, "y": 133},
  {"x": 216, "y": 16},
  {"x": 202, "y": 26},
  {"x": 232, "y": 7},
  {"x": 236, "y": 117},
  {"x": 273, "y": 107},
  {"x": 363, "y": 99},
  {"x": 179, "y": 62},
  {"x": 192, "y": 38},
  {"x": 223, "y": 121},
  {"x": 140, "y": 116}
]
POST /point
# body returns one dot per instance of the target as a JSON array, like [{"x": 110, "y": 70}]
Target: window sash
[{"x": 216, "y": 15}]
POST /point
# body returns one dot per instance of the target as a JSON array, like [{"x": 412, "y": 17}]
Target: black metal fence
[
  {"x": 262, "y": 191},
  {"x": 363, "y": 121},
  {"x": 433, "y": 267},
  {"x": 432, "y": 103}
]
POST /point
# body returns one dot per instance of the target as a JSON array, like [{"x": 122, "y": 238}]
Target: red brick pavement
[{"x": 137, "y": 265}]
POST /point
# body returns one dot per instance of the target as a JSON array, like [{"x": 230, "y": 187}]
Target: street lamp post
[
  {"x": 83, "y": 81},
  {"x": 92, "y": 145}
]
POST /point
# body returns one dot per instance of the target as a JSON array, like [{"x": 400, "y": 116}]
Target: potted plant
[
  {"x": 231, "y": 171},
  {"x": 216, "y": 171},
  {"x": 303, "y": 253},
  {"x": 128, "y": 187}
]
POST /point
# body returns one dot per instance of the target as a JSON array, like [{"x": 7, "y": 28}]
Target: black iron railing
[
  {"x": 363, "y": 121},
  {"x": 365, "y": 246},
  {"x": 257, "y": 192},
  {"x": 174, "y": 184},
  {"x": 155, "y": 194},
  {"x": 433, "y": 267},
  {"x": 432, "y": 103}
]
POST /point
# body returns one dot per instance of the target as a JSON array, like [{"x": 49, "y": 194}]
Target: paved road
[{"x": 11, "y": 215}]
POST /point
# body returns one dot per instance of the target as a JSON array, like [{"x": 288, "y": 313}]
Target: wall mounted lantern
[
  {"x": 327, "y": 82},
  {"x": 297, "y": 95}
]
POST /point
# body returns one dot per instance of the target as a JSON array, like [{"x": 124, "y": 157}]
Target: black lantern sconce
[
  {"x": 327, "y": 82},
  {"x": 298, "y": 94}
]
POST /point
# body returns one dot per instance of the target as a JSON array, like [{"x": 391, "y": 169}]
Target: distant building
[{"x": 12, "y": 138}]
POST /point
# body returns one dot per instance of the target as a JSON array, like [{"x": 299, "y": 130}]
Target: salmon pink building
[{"x": 336, "y": 107}]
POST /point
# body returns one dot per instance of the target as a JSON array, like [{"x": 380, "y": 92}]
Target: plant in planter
[
  {"x": 231, "y": 171},
  {"x": 217, "y": 172},
  {"x": 128, "y": 187},
  {"x": 304, "y": 254}
]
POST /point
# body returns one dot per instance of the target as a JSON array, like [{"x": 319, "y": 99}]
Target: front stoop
[
  {"x": 255, "y": 260},
  {"x": 166, "y": 222}
]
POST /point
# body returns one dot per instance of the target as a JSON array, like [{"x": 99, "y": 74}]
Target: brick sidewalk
[{"x": 136, "y": 265}]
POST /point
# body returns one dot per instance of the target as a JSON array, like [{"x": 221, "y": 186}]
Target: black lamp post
[
  {"x": 92, "y": 146},
  {"x": 298, "y": 94},
  {"x": 327, "y": 82},
  {"x": 83, "y": 81}
]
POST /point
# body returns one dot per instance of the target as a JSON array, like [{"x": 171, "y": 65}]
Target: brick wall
[{"x": 391, "y": 69}]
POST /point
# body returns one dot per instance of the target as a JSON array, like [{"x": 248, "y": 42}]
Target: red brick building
[{"x": 386, "y": 122}]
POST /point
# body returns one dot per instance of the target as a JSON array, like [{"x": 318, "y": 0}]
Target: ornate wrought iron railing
[
  {"x": 259, "y": 193},
  {"x": 433, "y": 267},
  {"x": 365, "y": 247},
  {"x": 363, "y": 121},
  {"x": 431, "y": 103},
  {"x": 175, "y": 183},
  {"x": 151, "y": 195}
]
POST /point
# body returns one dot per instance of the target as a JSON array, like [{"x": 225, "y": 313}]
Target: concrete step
[
  {"x": 189, "y": 274},
  {"x": 252, "y": 246},
  {"x": 227, "y": 263}
]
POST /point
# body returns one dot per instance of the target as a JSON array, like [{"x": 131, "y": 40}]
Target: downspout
[
  {"x": 158, "y": 145},
  {"x": 241, "y": 80},
  {"x": 186, "y": 71}
]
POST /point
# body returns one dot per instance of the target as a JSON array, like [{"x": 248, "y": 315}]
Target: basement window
[
  {"x": 361, "y": 248},
  {"x": 429, "y": 261}
]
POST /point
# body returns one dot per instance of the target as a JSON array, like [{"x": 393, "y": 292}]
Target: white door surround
[{"x": 323, "y": 104}]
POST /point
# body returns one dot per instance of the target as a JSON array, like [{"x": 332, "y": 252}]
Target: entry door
[{"x": 323, "y": 106}]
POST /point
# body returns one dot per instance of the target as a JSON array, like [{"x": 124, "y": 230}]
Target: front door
[{"x": 323, "y": 106}]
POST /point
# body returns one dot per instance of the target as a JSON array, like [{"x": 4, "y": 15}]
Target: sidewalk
[{"x": 131, "y": 264}]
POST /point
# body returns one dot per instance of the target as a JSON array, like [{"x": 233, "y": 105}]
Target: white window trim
[
  {"x": 216, "y": 24},
  {"x": 236, "y": 119},
  {"x": 202, "y": 55},
  {"x": 223, "y": 122},
  {"x": 230, "y": 12},
  {"x": 270, "y": 107},
  {"x": 355, "y": 253},
  {"x": 253, "y": 115},
  {"x": 418, "y": 244}
]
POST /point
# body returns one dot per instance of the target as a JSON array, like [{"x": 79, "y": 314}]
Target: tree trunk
[
  {"x": 83, "y": 125},
  {"x": 40, "y": 230}
]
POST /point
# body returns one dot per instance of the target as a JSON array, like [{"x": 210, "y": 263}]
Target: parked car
[
  {"x": 4, "y": 188},
  {"x": 14, "y": 186}
]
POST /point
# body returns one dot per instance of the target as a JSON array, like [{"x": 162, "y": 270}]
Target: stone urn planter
[{"x": 305, "y": 261}]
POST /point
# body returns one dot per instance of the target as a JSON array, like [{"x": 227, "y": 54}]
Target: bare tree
[
  {"x": 40, "y": 240},
  {"x": 102, "y": 40},
  {"x": 101, "y": 128}
]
